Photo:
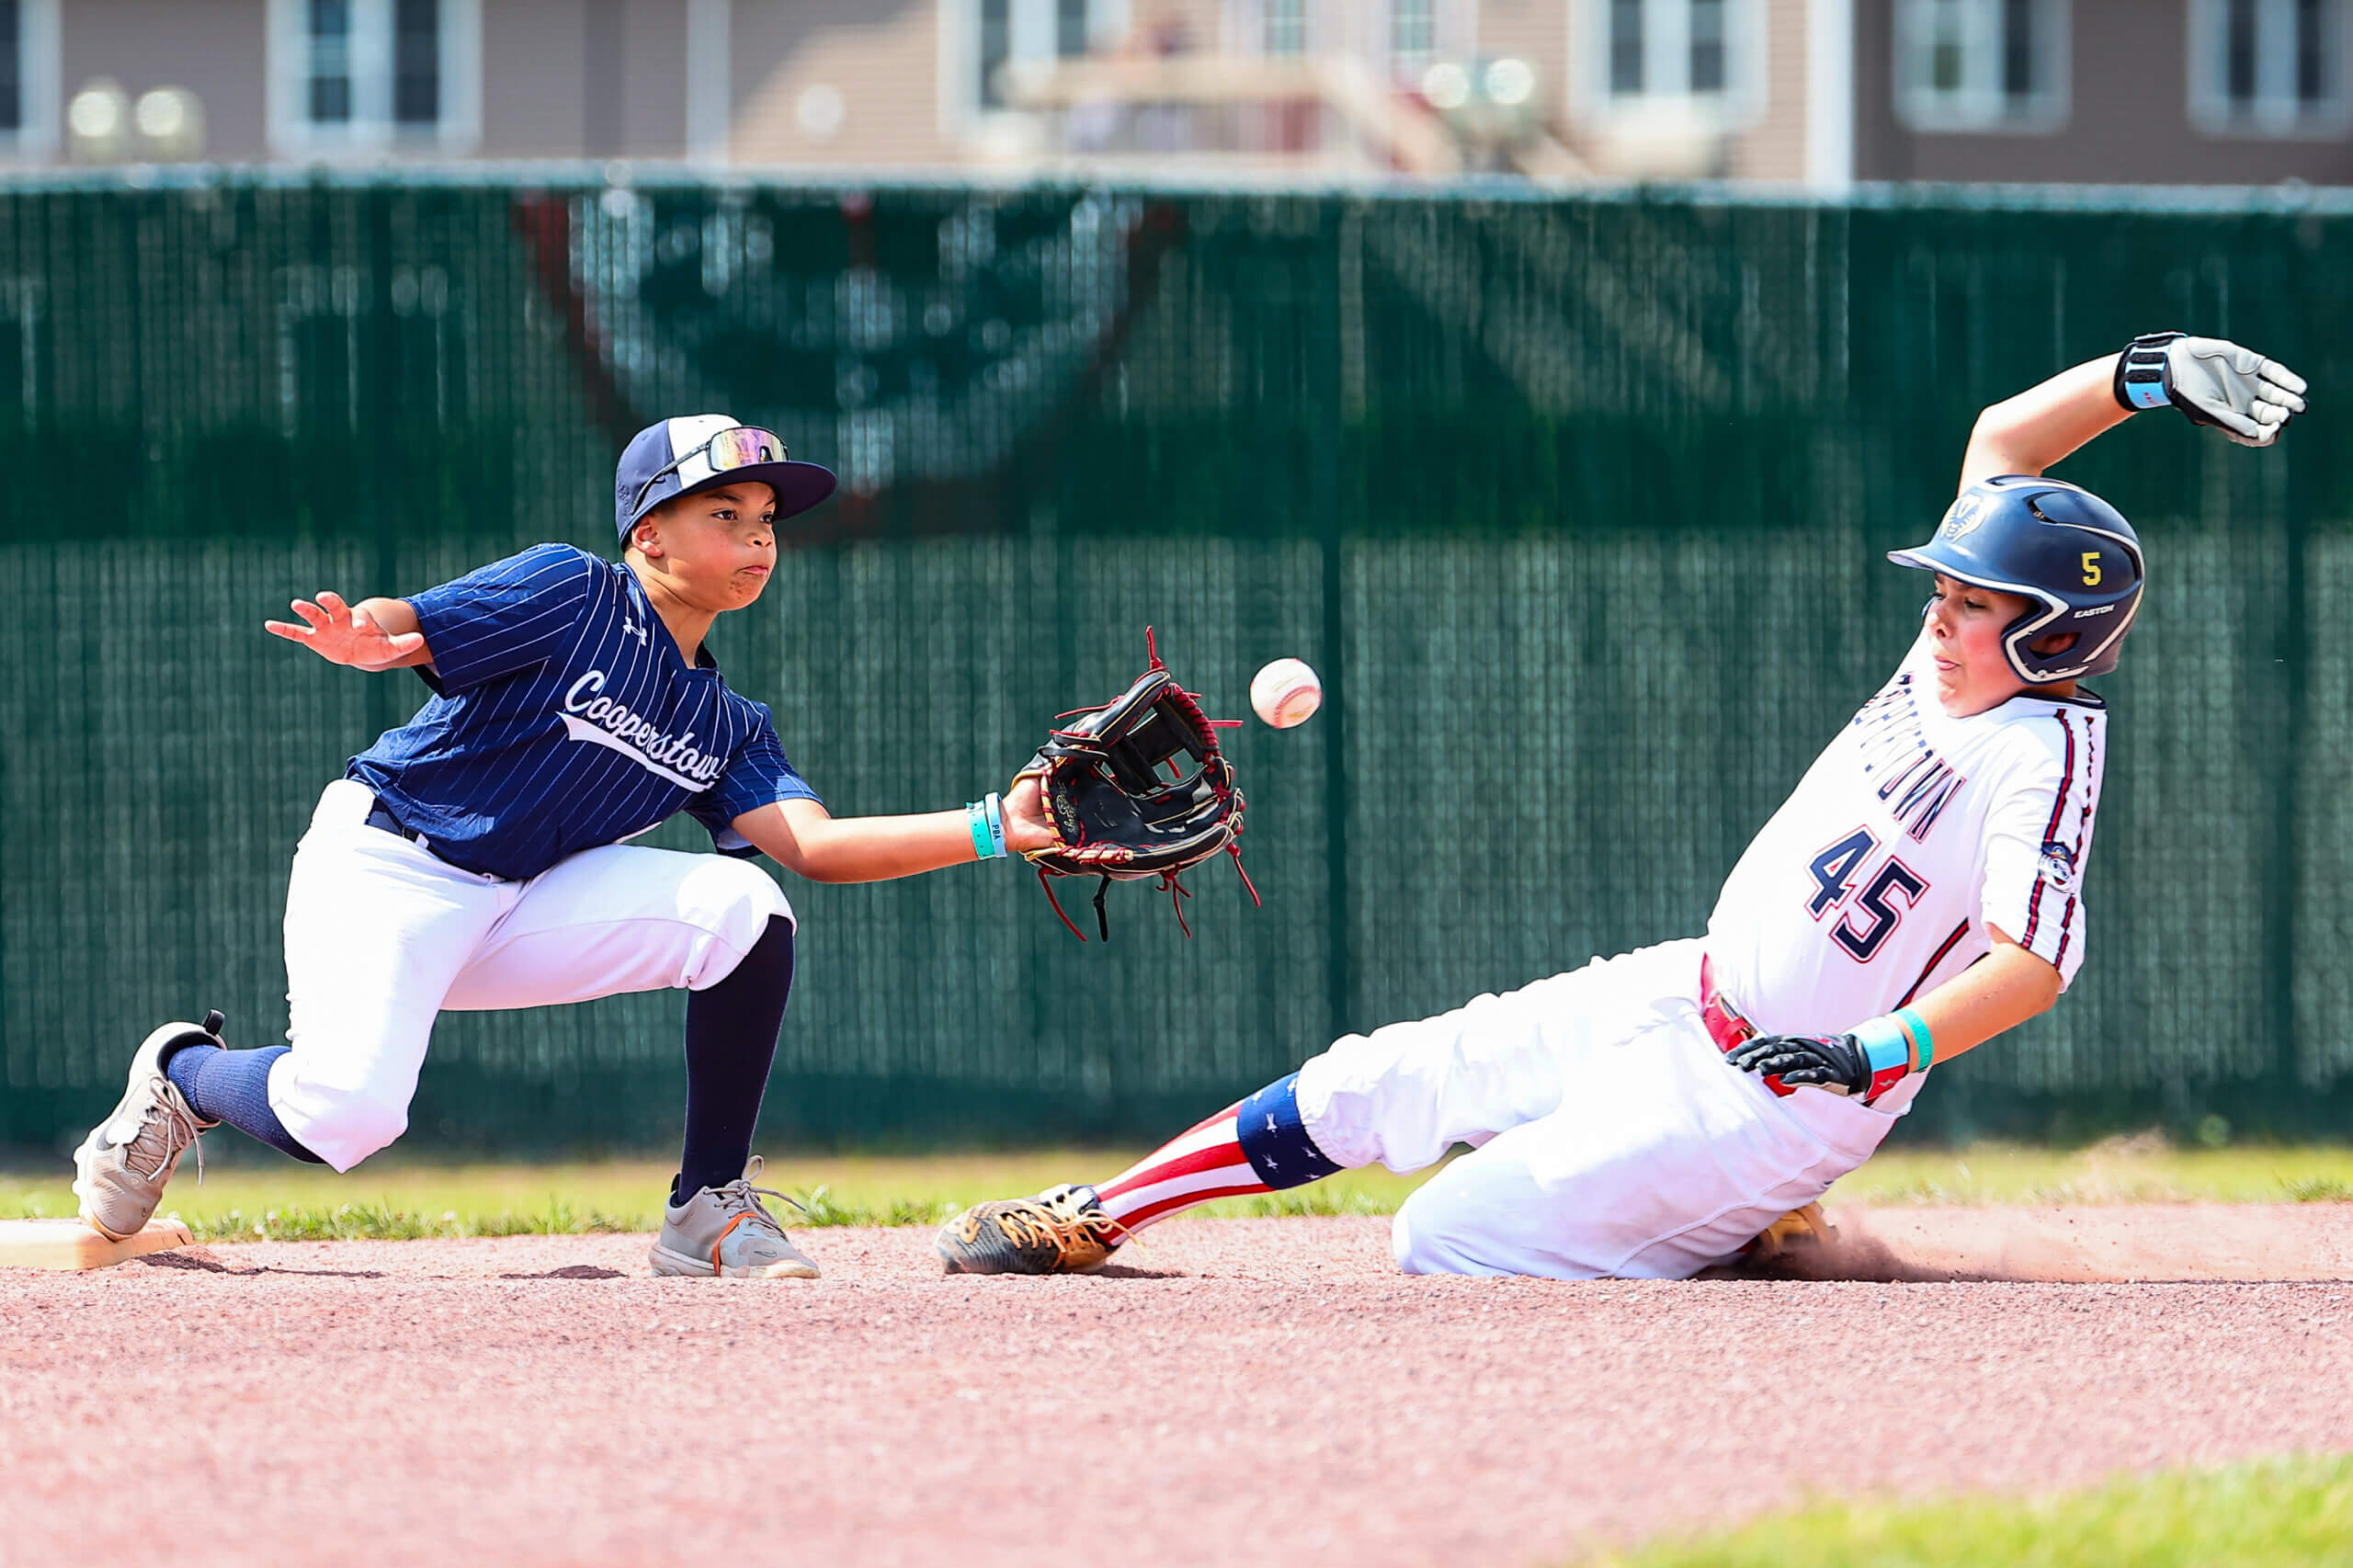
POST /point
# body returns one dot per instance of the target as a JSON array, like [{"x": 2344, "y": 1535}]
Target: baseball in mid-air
[{"x": 1286, "y": 693}]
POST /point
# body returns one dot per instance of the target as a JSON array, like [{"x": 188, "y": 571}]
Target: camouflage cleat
[
  {"x": 1062, "y": 1230},
  {"x": 727, "y": 1232},
  {"x": 121, "y": 1169}
]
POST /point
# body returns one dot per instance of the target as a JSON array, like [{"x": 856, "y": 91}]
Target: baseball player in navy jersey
[
  {"x": 477, "y": 856},
  {"x": 1921, "y": 891}
]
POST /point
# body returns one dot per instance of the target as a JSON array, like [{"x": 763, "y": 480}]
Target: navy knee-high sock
[
  {"x": 234, "y": 1087},
  {"x": 732, "y": 1030}
]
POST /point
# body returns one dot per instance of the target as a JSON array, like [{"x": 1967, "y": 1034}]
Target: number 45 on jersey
[{"x": 1875, "y": 912}]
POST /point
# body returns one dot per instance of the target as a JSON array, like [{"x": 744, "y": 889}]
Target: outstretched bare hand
[
  {"x": 1025, "y": 816},
  {"x": 346, "y": 634}
]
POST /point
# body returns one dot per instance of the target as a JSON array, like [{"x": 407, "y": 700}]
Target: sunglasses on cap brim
[{"x": 739, "y": 446}]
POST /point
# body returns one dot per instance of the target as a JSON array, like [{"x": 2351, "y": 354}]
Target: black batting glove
[{"x": 1835, "y": 1062}]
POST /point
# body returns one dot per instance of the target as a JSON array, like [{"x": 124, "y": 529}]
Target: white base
[{"x": 73, "y": 1245}]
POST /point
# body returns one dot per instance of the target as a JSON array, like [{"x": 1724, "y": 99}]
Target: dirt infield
[{"x": 1262, "y": 1389}]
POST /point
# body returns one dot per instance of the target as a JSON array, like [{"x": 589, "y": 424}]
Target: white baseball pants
[
  {"x": 380, "y": 936},
  {"x": 1611, "y": 1138}
]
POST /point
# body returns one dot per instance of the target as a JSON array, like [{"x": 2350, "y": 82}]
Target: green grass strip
[
  {"x": 2274, "y": 1514},
  {"x": 394, "y": 1198},
  {"x": 818, "y": 1209},
  {"x": 389, "y": 1200}
]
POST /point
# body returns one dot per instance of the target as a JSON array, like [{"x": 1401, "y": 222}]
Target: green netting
[{"x": 1576, "y": 502}]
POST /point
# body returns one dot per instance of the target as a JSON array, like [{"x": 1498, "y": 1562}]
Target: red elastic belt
[{"x": 1725, "y": 1026}]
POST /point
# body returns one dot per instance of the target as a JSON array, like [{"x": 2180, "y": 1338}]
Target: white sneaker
[
  {"x": 121, "y": 1169},
  {"x": 729, "y": 1233}
]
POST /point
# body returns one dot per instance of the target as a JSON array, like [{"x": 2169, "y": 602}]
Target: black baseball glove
[{"x": 1137, "y": 788}]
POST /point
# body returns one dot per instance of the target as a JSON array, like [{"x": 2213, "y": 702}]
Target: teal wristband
[
  {"x": 995, "y": 809},
  {"x": 976, "y": 817},
  {"x": 1887, "y": 1052},
  {"x": 1924, "y": 1047}
]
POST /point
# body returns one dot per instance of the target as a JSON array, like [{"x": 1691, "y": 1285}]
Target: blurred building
[{"x": 1818, "y": 91}]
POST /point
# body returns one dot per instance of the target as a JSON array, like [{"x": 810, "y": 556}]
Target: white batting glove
[{"x": 2249, "y": 398}]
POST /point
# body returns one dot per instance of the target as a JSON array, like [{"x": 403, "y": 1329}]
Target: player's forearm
[
  {"x": 2001, "y": 991},
  {"x": 869, "y": 849},
  {"x": 874, "y": 850},
  {"x": 2005, "y": 989},
  {"x": 2028, "y": 433}
]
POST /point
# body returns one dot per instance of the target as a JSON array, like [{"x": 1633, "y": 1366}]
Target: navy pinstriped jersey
[{"x": 564, "y": 717}]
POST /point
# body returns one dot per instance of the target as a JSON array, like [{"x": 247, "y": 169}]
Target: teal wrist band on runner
[
  {"x": 1887, "y": 1052},
  {"x": 976, "y": 817},
  {"x": 995, "y": 809},
  {"x": 1925, "y": 1048}
]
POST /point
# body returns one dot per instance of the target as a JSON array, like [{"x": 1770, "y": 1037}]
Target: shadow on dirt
[{"x": 198, "y": 1260}]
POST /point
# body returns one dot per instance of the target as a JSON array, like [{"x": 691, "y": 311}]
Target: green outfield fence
[{"x": 1577, "y": 501}]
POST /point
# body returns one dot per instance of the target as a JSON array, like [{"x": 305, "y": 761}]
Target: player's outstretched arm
[
  {"x": 2000, "y": 992},
  {"x": 809, "y": 841},
  {"x": 2249, "y": 398},
  {"x": 375, "y": 635},
  {"x": 1996, "y": 994}
]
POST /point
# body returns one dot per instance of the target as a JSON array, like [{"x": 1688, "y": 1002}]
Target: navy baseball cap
[{"x": 707, "y": 451}]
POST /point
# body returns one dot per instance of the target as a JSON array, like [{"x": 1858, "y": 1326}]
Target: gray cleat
[
  {"x": 120, "y": 1168},
  {"x": 727, "y": 1233}
]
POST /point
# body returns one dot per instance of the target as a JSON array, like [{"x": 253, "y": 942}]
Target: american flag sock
[{"x": 1256, "y": 1145}]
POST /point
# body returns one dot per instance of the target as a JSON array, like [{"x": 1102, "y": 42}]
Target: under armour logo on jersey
[{"x": 631, "y": 629}]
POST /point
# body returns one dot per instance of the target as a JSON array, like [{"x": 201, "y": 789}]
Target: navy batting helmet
[{"x": 2059, "y": 545}]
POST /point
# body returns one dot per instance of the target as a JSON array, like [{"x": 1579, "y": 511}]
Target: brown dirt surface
[{"x": 1261, "y": 1388}]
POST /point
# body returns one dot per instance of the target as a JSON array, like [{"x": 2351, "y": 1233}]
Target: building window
[
  {"x": 29, "y": 110},
  {"x": 330, "y": 66},
  {"x": 372, "y": 76},
  {"x": 1698, "y": 50},
  {"x": 416, "y": 62},
  {"x": 2268, "y": 67},
  {"x": 1070, "y": 29},
  {"x": 1413, "y": 37},
  {"x": 997, "y": 48},
  {"x": 1981, "y": 64},
  {"x": 1626, "y": 46},
  {"x": 1708, "y": 46},
  {"x": 1285, "y": 32},
  {"x": 1006, "y": 32},
  {"x": 12, "y": 68}
]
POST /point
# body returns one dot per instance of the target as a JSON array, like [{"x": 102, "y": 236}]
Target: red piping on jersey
[
  {"x": 2066, "y": 777},
  {"x": 1930, "y": 968},
  {"x": 2083, "y": 836},
  {"x": 2050, "y": 829}
]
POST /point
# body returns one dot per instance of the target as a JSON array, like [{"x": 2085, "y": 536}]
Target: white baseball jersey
[{"x": 1910, "y": 834}]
